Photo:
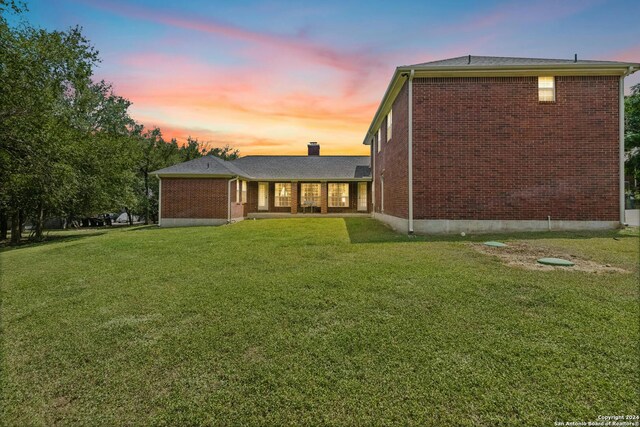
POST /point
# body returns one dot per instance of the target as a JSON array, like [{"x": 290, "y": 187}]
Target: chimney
[{"x": 314, "y": 149}]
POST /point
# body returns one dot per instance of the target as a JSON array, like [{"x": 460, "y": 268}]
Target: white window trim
[
  {"x": 362, "y": 188},
  {"x": 244, "y": 192},
  {"x": 263, "y": 187},
  {"x": 329, "y": 198},
  {"x": 318, "y": 197},
  {"x": 277, "y": 197},
  {"x": 389, "y": 125},
  {"x": 546, "y": 89},
  {"x": 379, "y": 139}
]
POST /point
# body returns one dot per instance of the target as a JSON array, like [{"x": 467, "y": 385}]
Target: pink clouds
[{"x": 297, "y": 45}]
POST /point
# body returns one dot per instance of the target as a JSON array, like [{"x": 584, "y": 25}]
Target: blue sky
[{"x": 267, "y": 76}]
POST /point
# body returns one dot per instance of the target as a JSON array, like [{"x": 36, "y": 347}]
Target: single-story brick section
[
  {"x": 211, "y": 191},
  {"x": 473, "y": 144}
]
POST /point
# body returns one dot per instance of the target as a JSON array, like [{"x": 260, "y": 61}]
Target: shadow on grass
[
  {"x": 369, "y": 230},
  {"x": 48, "y": 239},
  {"x": 143, "y": 227}
]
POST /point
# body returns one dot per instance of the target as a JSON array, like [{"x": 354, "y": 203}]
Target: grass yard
[{"x": 313, "y": 321}]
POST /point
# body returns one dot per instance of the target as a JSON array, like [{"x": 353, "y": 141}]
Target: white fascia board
[{"x": 489, "y": 71}]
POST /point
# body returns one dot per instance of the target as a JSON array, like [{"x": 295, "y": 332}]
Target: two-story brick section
[{"x": 471, "y": 144}]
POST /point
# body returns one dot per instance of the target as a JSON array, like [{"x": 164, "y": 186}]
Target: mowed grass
[{"x": 313, "y": 321}]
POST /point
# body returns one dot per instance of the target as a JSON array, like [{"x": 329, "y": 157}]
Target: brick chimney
[{"x": 314, "y": 149}]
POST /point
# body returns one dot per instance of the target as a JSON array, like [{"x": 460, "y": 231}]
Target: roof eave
[{"x": 394, "y": 87}]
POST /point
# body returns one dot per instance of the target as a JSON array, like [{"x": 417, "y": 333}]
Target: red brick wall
[
  {"x": 486, "y": 148},
  {"x": 195, "y": 197},
  {"x": 392, "y": 159}
]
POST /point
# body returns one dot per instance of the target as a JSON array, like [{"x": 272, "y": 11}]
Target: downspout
[
  {"x": 229, "y": 199},
  {"x": 621, "y": 147},
  {"x": 410, "y": 154},
  {"x": 373, "y": 176}
]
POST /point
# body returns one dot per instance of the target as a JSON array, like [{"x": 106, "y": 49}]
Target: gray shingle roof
[
  {"x": 497, "y": 61},
  {"x": 305, "y": 167},
  {"x": 207, "y": 165},
  {"x": 277, "y": 167}
]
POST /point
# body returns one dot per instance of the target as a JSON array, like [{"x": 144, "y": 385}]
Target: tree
[{"x": 632, "y": 135}]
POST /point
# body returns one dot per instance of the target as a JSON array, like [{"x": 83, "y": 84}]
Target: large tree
[{"x": 632, "y": 136}]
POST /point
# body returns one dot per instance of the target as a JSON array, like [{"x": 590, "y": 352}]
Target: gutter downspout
[
  {"x": 621, "y": 147},
  {"x": 410, "y": 153},
  {"x": 229, "y": 199}
]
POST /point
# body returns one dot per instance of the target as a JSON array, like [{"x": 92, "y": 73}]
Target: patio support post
[
  {"x": 294, "y": 197},
  {"x": 323, "y": 198}
]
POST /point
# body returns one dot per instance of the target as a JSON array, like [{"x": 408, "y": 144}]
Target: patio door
[
  {"x": 362, "y": 196},
  {"x": 263, "y": 196}
]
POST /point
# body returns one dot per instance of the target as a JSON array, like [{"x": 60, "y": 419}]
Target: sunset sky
[{"x": 266, "y": 77}]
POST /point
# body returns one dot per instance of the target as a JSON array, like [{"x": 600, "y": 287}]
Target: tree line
[{"x": 68, "y": 146}]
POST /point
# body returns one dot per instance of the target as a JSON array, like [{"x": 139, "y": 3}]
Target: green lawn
[{"x": 313, "y": 321}]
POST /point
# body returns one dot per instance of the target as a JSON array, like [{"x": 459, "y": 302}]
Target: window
[
  {"x": 310, "y": 194},
  {"x": 283, "y": 194},
  {"x": 389, "y": 124},
  {"x": 244, "y": 191},
  {"x": 263, "y": 196},
  {"x": 546, "y": 89},
  {"x": 338, "y": 195},
  {"x": 362, "y": 196},
  {"x": 379, "y": 139}
]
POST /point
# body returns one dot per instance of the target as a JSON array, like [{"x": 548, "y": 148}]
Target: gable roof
[
  {"x": 478, "y": 66},
  {"x": 205, "y": 166},
  {"x": 305, "y": 167},
  {"x": 503, "y": 61},
  {"x": 275, "y": 168}
]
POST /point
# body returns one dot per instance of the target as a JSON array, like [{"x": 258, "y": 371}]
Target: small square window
[{"x": 546, "y": 89}]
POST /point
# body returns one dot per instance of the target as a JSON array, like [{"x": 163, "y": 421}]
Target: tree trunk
[
  {"x": 4, "y": 224},
  {"x": 146, "y": 195},
  {"x": 129, "y": 216},
  {"x": 16, "y": 228},
  {"x": 39, "y": 222}
]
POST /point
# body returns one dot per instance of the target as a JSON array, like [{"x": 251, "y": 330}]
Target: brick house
[
  {"x": 470, "y": 144},
  {"x": 479, "y": 144},
  {"x": 211, "y": 191}
]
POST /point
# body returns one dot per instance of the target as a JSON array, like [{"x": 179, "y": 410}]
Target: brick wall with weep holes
[
  {"x": 195, "y": 197},
  {"x": 486, "y": 148}
]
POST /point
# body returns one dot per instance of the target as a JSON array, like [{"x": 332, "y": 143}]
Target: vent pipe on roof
[{"x": 313, "y": 149}]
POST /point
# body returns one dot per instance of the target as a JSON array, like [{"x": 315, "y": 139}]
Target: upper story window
[
  {"x": 389, "y": 124},
  {"x": 379, "y": 139},
  {"x": 282, "y": 194},
  {"x": 546, "y": 89}
]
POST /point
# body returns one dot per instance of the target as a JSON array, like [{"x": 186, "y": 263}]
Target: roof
[
  {"x": 501, "y": 61},
  {"x": 206, "y": 165},
  {"x": 276, "y": 167},
  {"x": 478, "y": 66}
]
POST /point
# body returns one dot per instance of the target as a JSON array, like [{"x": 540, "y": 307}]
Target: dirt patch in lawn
[{"x": 525, "y": 255}]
